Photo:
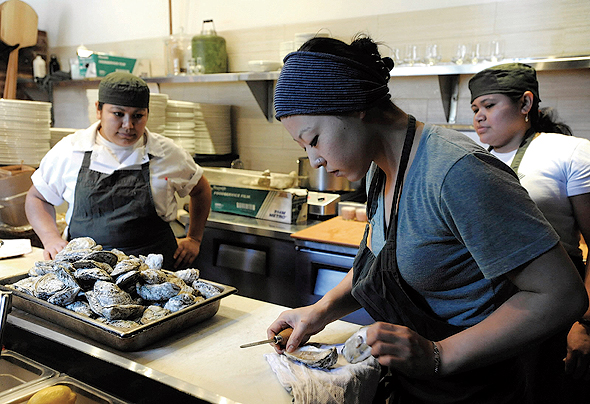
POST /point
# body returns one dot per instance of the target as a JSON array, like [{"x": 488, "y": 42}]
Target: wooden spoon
[{"x": 18, "y": 26}]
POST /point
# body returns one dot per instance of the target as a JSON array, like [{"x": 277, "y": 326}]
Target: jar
[{"x": 210, "y": 48}]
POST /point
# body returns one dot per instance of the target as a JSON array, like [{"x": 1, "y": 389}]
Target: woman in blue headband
[
  {"x": 458, "y": 281},
  {"x": 555, "y": 170}
]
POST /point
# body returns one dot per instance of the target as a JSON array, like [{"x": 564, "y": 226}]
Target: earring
[{"x": 526, "y": 118}]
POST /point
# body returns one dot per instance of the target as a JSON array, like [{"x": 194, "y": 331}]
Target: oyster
[
  {"x": 106, "y": 257},
  {"x": 314, "y": 357},
  {"x": 41, "y": 268},
  {"x": 87, "y": 276},
  {"x": 80, "y": 243},
  {"x": 110, "y": 301},
  {"x": 154, "y": 261},
  {"x": 153, "y": 313},
  {"x": 120, "y": 254},
  {"x": 184, "y": 288},
  {"x": 126, "y": 265},
  {"x": 64, "y": 296},
  {"x": 158, "y": 292},
  {"x": 72, "y": 255},
  {"x": 48, "y": 285},
  {"x": 127, "y": 280},
  {"x": 80, "y": 307},
  {"x": 355, "y": 348},
  {"x": 182, "y": 301},
  {"x": 206, "y": 289},
  {"x": 26, "y": 285},
  {"x": 188, "y": 275},
  {"x": 154, "y": 276},
  {"x": 123, "y": 324}
]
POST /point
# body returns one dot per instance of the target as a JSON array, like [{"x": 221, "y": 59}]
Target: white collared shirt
[{"x": 172, "y": 169}]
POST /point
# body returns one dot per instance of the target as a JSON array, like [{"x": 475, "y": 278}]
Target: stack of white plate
[
  {"x": 212, "y": 129},
  {"x": 180, "y": 124},
  {"x": 58, "y": 133},
  {"x": 92, "y": 96},
  {"x": 157, "y": 117},
  {"x": 24, "y": 131}
]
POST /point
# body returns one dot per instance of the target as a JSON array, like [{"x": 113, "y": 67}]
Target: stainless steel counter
[{"x": 257, "y": 227}]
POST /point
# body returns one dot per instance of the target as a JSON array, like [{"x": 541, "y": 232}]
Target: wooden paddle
[{"x": 18, "y": 26}]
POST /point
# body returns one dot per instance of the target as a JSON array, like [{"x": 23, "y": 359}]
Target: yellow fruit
[{"x": 57, "y": 394}]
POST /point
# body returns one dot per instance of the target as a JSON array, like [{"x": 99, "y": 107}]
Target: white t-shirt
[
  {"x": 172, "y": 169},
  {"x": 554, "y": 168}
]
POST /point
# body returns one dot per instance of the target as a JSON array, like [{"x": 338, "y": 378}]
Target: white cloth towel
[{"x": 345, "y": 383}]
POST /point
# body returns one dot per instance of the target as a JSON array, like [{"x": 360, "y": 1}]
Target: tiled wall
[{"x": 527, "y": 28}]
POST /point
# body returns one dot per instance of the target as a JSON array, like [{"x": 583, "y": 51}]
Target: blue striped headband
[{"x": 314, "y": 83}]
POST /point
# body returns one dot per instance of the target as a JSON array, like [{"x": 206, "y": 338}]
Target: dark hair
[
  {"x": 544, "y": 119},
  {"x": 362, "y": 49}
]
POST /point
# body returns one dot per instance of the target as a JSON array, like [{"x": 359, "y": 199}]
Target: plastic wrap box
[
  {"x": 100, "y": 65},
  {"x": 257, "y": 194},
  {"x": 285, "y": 206}
]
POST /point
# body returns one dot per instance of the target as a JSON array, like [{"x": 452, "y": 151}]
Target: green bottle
[{"x": 210, "y": 48}]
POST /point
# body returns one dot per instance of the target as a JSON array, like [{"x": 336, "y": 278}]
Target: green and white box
[
  {"x": 98, "y": 65},
  {"x": 286, "y": 206}
]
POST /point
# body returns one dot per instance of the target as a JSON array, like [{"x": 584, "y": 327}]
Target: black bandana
[
  {"x": 124, "y": 89},
  {"x": 508, "y": 79}
]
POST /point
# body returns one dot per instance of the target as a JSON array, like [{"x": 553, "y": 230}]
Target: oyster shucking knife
[{"x": 281, "y": 337}]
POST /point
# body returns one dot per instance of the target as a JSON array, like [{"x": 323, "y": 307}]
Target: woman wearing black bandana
[
  {"x": 458, "y": 281},
  {"x": 555, "y": 170}
]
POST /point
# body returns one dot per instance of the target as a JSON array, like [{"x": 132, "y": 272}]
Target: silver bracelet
[{"x": 436, "y": 358}]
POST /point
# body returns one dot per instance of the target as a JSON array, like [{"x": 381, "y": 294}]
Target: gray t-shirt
[{"x": 464, "y": 221}]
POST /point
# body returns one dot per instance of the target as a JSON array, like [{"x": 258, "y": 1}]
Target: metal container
[
  {"x": 18, "y": 372},
  {"x": 85, "y": 393},
  {"x": 124, "y": 340},
  {"x": 319, "y": 179}
]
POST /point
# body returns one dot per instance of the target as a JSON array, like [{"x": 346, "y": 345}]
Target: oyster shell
[
  {"x": 47, "y": 285},
  {"x": 123, "y": 324},
  {"x": 181, "y": 301},
  {"x": 64, "y": 296},
  {"x": 355, "y": 348},
  {"x": 106, "y": 257},
  {"x": 154, "y": 261},
  {"x": 126, "y": 265},
  {"x": 206, "y": 289},
  {"x": 81, "y": 307},
  {"x": 154, "y": 276},
  {"x": 41, "y": 268},
  {"x": 80, "y": 243},
  {"x": 153, "y": 313},
  {"x": 188, "y": 275},
  {"x": 314, "y": 357},
  {"x": 88, "y": 276},
  {"x": 127, "y": 280},
  {"x": 109, "y": 301},
  {"x": 25, "y": 285},
  {"x": 159, "y": 292}
]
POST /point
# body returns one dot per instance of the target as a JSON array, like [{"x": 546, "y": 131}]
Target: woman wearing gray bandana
[
  {"x": 120, "y": 181},
  {"x": 458, "y": 281},
  {"x": 555, "y": 170}
]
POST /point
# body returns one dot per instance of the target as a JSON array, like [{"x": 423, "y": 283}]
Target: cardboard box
[
  {"x": 285, "y": 206},
  {"x": 100, "y": 65}
]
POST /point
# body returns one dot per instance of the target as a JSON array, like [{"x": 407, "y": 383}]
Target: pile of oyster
[{"x": 109, "y": 286}]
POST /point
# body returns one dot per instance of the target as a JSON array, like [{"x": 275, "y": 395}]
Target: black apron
[
  {"x": 117, "y": 210},
  {"x": 380, "y": 289}
]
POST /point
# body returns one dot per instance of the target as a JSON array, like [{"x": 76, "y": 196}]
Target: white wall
[{"x": 75, "y": 22}]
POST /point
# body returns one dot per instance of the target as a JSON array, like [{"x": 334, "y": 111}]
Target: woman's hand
[
  {"x": 402, "y": 349},
  {"x": 187, "y": 251},
  {"x": 52, "y": 247},
  {"x": 305, "y": 321},
  {"x": 577, "y": 361}
]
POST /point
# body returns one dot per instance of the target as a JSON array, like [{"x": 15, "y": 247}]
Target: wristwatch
[{"x": 585, "y": 322}]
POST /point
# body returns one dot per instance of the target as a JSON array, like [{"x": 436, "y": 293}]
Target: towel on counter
[{"x": 345, "y": 383}]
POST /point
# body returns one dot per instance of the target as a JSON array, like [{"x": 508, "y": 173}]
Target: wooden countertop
[
  {"x": 203, "y": 357},
  {"x": 338, "y": 231}
]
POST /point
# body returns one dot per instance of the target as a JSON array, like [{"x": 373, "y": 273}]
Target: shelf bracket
[
  {"x": 262, "y": 90},
  {"x": 449, "y": 92}
]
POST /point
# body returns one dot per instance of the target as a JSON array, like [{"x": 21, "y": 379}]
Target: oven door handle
[{"x": 330, "y": 258}]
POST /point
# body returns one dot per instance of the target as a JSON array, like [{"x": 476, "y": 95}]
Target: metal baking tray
[
  {"x": 18, "y": 372},
  {"x": 85, "y": 394},
  {"x": 123, "y": 340}
]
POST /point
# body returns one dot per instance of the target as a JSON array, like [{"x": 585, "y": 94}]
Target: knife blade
[{"x": 283, "y": 336}]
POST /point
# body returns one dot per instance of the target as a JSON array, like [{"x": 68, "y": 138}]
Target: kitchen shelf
[{"x": 261, "y": 84}]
